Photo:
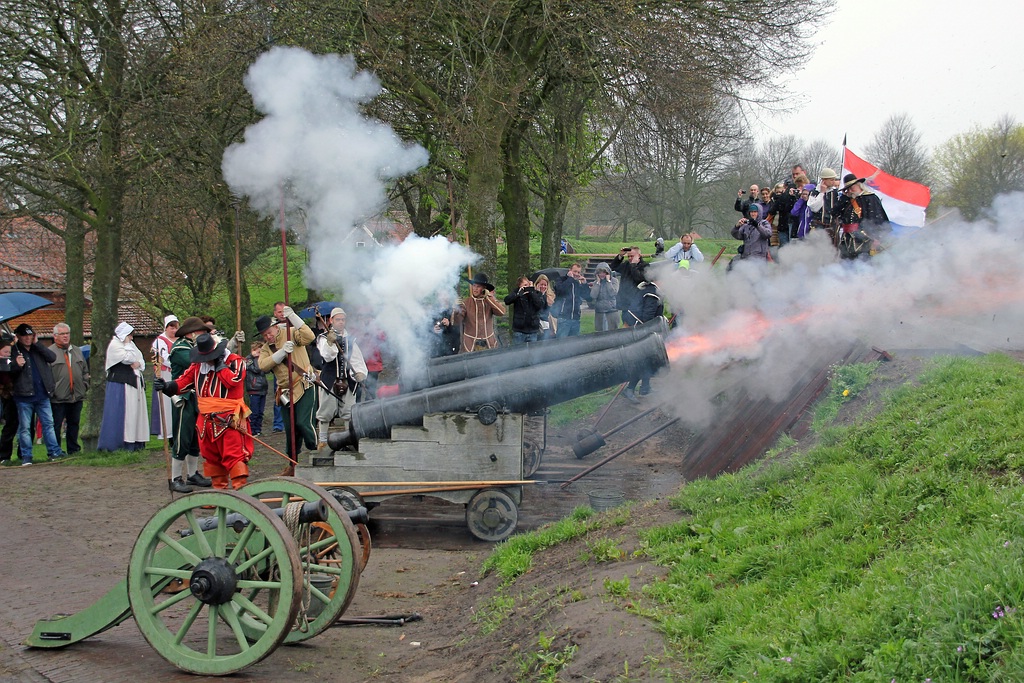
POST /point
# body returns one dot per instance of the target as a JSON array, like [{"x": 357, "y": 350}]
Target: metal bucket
[
  {"x": 605, "y": 499},
  {"x": 323, "y": 583}
]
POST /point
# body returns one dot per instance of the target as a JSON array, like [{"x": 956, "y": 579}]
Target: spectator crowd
[{"x": 209, "y": 395}]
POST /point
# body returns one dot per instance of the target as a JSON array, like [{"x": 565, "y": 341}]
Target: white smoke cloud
[
  {"x": 944, "y": 287},
  {"x": 316, "y": 152}
]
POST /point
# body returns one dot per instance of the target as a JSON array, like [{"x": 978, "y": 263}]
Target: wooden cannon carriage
[{"x": 471, "y": 429}]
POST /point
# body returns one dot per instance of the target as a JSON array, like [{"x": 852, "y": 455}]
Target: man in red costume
[{"x": 218, "y": 378}]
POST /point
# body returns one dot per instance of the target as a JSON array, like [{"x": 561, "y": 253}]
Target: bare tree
[
  {"x": 897, "y": 149},
  {"x": 819, "y": 154},
  {"x": 973, "y": 168}
]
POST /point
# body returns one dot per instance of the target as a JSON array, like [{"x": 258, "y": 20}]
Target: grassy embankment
[{"x": 891, "y": 550}]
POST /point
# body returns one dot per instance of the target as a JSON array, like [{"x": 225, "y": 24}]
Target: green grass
[
  {"x": 579, "y": 408},
  {"x": 513, "y": 557},
  {"x": 884, "y": 555}
]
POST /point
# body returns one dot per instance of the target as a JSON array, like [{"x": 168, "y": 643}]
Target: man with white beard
[{"x": 343, "y": 363}]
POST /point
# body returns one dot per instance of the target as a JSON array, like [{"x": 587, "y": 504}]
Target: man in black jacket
[
  {"x": 528, "y": 304},
  {"x": 632, "y": 268},
  {"x": 649, "y": 308},
  {"x": 33, "y": 387},
  {"x": 570, "y": 293}
]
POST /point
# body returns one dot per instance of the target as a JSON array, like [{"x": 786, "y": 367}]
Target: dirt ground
[{"x": 69, "y": 530}]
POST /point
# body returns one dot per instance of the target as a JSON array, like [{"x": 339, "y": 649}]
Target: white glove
[
  {"x": 292, "y": 317},
  {"x": 288, "y": 346},
  {"x": 240, "y": 337},
  {"x": 279, "y": 356}
]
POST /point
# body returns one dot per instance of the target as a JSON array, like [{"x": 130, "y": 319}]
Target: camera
[{"x": 6, "y": 338}]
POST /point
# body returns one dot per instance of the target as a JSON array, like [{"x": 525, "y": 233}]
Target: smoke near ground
[
  {"x": 318, "y": 158},
  {"x": 944, "y": 287}
]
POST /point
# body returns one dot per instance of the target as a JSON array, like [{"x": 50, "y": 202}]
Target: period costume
[
  {"x": 342, "y": 370},
  {"x": 185, "y": 411},
  {"x": 476, "y": 315},
  {"x": 294, "y": 387},
  {"x": 160, "y": 414},
  {"x": 218, "y": 379},
  {"x": 860, "y": 218},
  {"x": 125, "y": 423}
]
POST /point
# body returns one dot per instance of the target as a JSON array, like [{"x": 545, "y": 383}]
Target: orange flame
[{"x": 741, "y": 329}]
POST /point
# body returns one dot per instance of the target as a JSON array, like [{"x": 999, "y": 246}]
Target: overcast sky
[{"x": 949, "y": 64}]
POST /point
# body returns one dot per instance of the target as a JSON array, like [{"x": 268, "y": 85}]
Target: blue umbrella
[
  {"x": 321, "y": 308},
  {"x": 13, "y": 304}
]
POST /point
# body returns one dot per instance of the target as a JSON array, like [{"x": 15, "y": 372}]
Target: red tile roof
[
  {"x": 14, "y": 279},
  {"x": 32, "y": 260}
]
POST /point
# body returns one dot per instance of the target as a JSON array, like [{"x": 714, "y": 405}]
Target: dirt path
[{"x": 69, "y": 530}]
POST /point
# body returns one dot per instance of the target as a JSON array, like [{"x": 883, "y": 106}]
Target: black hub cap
[{"x": 213, "y": 581}]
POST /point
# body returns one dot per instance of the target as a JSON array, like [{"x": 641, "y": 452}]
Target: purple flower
[{"x": 1006, "y": 544}]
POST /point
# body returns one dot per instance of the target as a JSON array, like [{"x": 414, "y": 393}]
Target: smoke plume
[
  {"x": 941, "y": 288},
  {"x": 320, "y": 159}
]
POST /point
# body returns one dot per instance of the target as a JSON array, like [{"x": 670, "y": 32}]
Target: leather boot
[
  {"x": 218, "y": 475},
  {"x": 178, "y": 485},
  {"x": 239, "y": 474}
]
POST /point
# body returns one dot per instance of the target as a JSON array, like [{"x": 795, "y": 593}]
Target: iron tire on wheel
[
  {"x": 215, "y": 559},
  {"x": 492, "y": 515},
  {"x": 334, "y": 545}
]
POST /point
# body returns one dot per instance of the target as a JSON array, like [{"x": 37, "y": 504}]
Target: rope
[{"x": 302, "y": 535}]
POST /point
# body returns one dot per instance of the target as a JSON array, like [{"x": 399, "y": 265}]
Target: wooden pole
[
  {"x": 617, "y": 453},
  {"x": 293, "y": 451},
  {"x": 157, "y": 364},
  {"x": 238, "y": 277},
  {"x": 457, "y": 482}
]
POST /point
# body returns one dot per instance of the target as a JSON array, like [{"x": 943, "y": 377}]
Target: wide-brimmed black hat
[
  {"x": 851, "y": 179},
  {"x": 207, "y": 348},
  {"x": 482, "y": 280},
  {"x": 263, "y": 323},
  {"x": 190, "y": 325}
]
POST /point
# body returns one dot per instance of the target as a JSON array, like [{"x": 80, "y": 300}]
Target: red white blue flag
[{"x": 903, "y": 200}]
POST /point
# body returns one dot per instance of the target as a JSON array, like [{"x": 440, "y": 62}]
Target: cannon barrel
[
  {"x": 449, "y": 369},
  {"x": 522, "y": 390},
  {"x": 312, "y": 511}
]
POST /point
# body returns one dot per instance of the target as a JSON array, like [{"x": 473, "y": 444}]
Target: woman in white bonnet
[{"x": 125, "y": 423}]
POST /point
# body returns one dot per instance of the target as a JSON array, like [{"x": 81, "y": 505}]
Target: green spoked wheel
[
  {"x": 328, "y": 553},
  {"x": 200, "y": 629}
]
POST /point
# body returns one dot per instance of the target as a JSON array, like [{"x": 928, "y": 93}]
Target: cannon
[
  {"x": 494, "y": 361},
  {"x": 218, "y": 579},
  {"x": 474, "y": 441}
]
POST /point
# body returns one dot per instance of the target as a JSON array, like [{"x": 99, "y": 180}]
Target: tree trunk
[
  {"x": 556, "y": 193},
  {"x": 74, "y": 279},
  {"x": 483, "y": 164},
  {"x": 514, "y": 199},
  {"x": 108, "y": 206}
]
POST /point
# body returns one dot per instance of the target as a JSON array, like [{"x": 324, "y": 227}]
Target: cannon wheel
[
  {"x": 491, "y": 515},
  {"x": 199, "y": 630},
  {"x": 351, "y": 500},
  {"x": 331, "y": 551}
]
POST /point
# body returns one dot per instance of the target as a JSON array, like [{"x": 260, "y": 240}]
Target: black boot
[
  {"x": 199, "y": 481},
  {"x": 178, "y": 486}
]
